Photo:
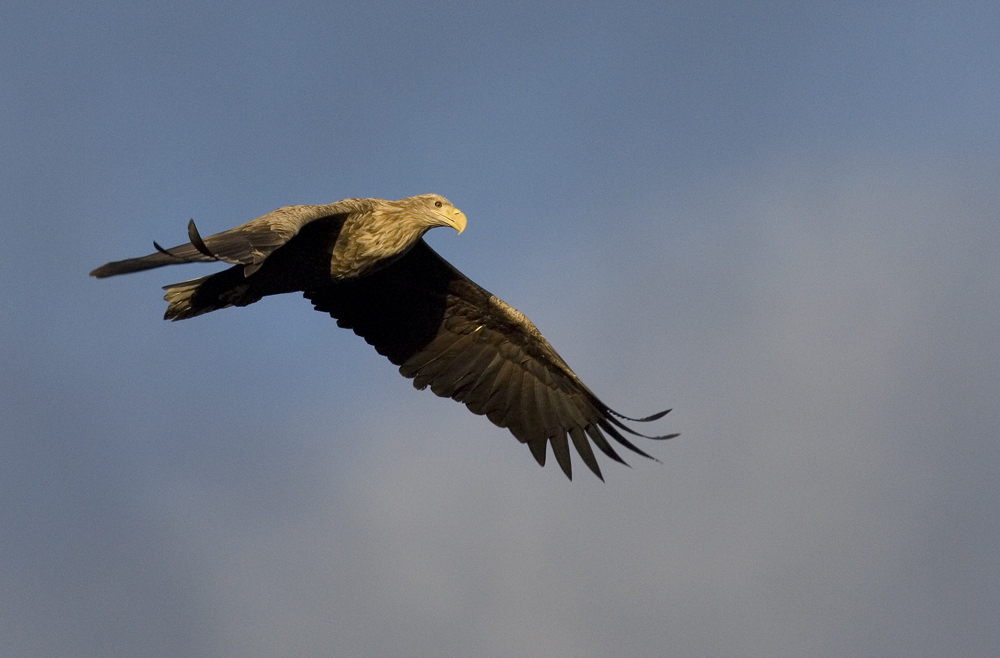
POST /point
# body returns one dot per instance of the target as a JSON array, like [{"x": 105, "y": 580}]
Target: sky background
[{"x": 782, "y": 219}]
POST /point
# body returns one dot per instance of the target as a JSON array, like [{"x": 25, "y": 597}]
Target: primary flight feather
[{"x": 364, "y": 261}]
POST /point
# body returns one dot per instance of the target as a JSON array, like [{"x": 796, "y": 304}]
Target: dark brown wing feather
[
  {"x": 248, "y": 244},
  {"x": 446, "y": 332}
]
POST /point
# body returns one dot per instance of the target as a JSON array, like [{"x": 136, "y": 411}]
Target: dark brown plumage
[{"x": 365, "y": 263}]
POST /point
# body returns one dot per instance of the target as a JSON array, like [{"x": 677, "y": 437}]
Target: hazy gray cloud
[
  {"x": 671, "y": 211},
  {"x": 804, "y": 510}
]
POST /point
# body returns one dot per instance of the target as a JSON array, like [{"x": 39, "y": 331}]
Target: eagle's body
[{"x": 365, "y": 263}]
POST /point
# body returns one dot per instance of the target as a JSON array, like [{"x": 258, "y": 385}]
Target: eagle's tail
[{"x": 209, "y": 293}]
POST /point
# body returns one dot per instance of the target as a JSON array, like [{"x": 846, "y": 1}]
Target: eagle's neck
[{"x": 373, "y": 238}]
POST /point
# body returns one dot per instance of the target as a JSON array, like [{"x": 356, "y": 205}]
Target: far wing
[
  {"x": 446, "y": 332},
  {"x": 248, "y": 244}
]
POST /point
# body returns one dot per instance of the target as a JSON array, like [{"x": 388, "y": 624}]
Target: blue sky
[{"x": 781, "y": 219}]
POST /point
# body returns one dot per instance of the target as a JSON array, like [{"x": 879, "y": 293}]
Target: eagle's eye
[{"x": 437, "y": 204}]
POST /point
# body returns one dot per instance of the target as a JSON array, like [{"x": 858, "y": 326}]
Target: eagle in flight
[{"x": 364, "y": 261}]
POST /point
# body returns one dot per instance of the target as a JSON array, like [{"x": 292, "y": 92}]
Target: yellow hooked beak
[{"x": 457, "y": 221}]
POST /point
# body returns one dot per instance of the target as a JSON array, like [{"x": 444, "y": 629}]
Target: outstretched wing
[
  {"x": 446, "y": 332},
  {"x": 248, "y": 244}
]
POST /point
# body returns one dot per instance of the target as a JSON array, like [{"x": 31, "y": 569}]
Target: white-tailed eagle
[{"x": 364, "y": 261}]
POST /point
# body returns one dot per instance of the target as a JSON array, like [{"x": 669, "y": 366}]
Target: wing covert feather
[
  {"x": 446, "y": 332},
  {"x": 248, "y": 244}
]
